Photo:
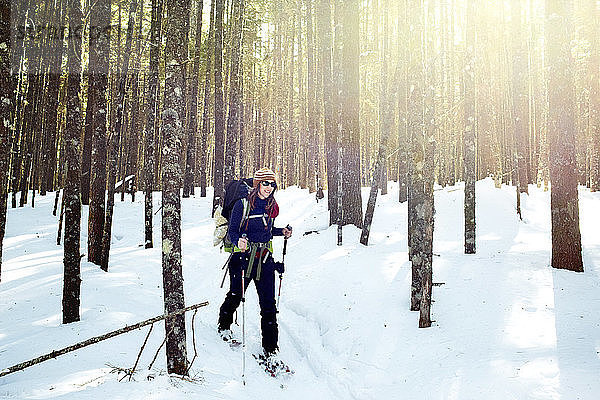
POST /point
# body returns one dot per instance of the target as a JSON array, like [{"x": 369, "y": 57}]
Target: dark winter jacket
[{"x": 257, "y": 229}]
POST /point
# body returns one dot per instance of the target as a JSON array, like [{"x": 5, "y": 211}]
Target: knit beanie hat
[{"x": 263, "y": 174}]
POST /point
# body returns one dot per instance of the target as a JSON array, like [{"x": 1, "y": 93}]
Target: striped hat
[{"x": 263, "y": 174}]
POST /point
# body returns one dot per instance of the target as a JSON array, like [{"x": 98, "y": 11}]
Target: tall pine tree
[
  {"x": 100, "y": 30},
  {"x": 469, "y": 135},
  {"x": 151, "y": 122},
  {"x": 351, "y": 202},
  {"x": 172, "y": 180},
  {"x": 71, "y": 198},
  {"x": 219, "y": 154},
  {"x": 564, "y": 201},
  {"x": 7, "y": 95}
]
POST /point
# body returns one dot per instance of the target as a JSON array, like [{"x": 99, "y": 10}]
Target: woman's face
[{"x": 265, "y": 189}]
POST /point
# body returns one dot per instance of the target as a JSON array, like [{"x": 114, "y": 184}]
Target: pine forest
[{"x": 115, "y": 108}]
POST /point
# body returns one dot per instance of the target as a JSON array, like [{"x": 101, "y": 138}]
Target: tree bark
[
  {"x": 49, "y": 152},
  {"x": 292, "y": 133},
  {"x": 7, "y": 99},
  {"x": 402, "y": 93},
  {"x": 312, "y": 148},
  {"x": 98, "y": 74},
  {"x": 115, "y": 139},
  {"x": 206, "y": 106},
  {"x": 416, "y": 199},
  {"x": 379, "y": 178},
  {"x": 385, "y": 114},
  {"x": 151, "y": 122},
  {"x": 172, "y": 179},
  {"x": 302, "y": 118},
  {"x": 428, "y": 170},
  {"x": 564, "y": 202},
  {"x": 190, "y": 157},
  {"x": 469, "y": 138},
  {"x": 72, "y": 278},
  {"x": 219, "y": 152},
  {"x": 86, "y": 154},
  {"x": 29, "y": 123},
  {"x": 520, "y": 95},
  {"x": 352, "y": 202},
  {"x": 594, "y": 79},
  {"x": 135, "y": 110},
  {"x": 375, "y": 185},
  {"x": 331, "y": 146},
  {"x": 415, "y": 127},
  {"x": 235, "y": 92}
]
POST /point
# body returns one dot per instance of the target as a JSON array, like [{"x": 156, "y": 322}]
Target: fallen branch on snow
[{"x": 77, "y": 346}]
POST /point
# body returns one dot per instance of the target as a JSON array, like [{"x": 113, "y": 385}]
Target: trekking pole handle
[
  {"x": 289, "y": 228},
  {"x": 244, "y": 236}
]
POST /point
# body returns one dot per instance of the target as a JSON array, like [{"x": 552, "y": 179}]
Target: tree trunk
[
  {"x": 151, "y": 122},
  {"x": 219, "y": 156},
  {"x": 379, "y": 177},
  {"x": 172, "y": 179},
  {"x": 72, "y": 278},
  {"x": 115, "y": 139},
  {"x": 206, "y": 106},
  {"x": 375, "y": 185},
  {"x": 415, "y": 127},
  {"x": 292, "y": 134},
  {"x": 594, "y": 79},
  {"x": 520, "y": 95},
  {"x": 301, "y": 136},
  {"x": 331, "y": 146},
  {"x": 312, "y": 148},
  {"x": 51, "y": 108},
  {"x": 242, "y": 143},
  {"x": 86, "y": 155},
  {"x": 385, "y": 112},
  {"x": 190, "y": 157},
  {"x": 352, "y": 202},
  {"x": 402, "y": 93},
  {"x": 564, "y": 202},
  {"x": 28, "y": 126},
  {"x": 235, "y": 93},
  {"x": 428, "y": 171},
  {"x": 98, "y": 75},
  {"x": 7, "y": 98},
  {"x": 469, "y": 138},
  {"x": 135, "y": 110},
  {"x": 416, "y": 199}
]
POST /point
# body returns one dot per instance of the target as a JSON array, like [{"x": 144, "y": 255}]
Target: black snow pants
[{"x": 265, "y": 287}]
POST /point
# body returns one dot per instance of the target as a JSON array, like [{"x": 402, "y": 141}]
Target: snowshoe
[
  {"x": 273, "y": 366},
  {"x": 228, "y": 337}
]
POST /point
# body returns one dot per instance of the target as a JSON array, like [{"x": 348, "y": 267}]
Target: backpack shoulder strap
[{"x": 245, "y": 212}]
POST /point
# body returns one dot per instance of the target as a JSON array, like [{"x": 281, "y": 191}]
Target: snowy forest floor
[{"x": 507, "y": 325}]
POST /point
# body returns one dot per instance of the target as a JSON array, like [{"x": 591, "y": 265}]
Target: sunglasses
[{"x": 267, "y": 183}]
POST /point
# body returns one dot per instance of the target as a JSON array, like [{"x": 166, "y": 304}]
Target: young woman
[{"x": 251, "y": 230}]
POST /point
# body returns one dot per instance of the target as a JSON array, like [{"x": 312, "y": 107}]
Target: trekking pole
[
  {"x": 226, "y": 270},
  {"x": 279, "y": 291},
  {"x": 243, "y": 324},
  {"x": 288, "y": 227},
  {"x": 243, "y": 329}
]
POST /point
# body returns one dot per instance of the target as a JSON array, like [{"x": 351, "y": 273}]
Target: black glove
[{"x": 279, "y": 267}]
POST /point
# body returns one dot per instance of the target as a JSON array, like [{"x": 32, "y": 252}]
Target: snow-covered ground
[{"x": 507, "y": 325}]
